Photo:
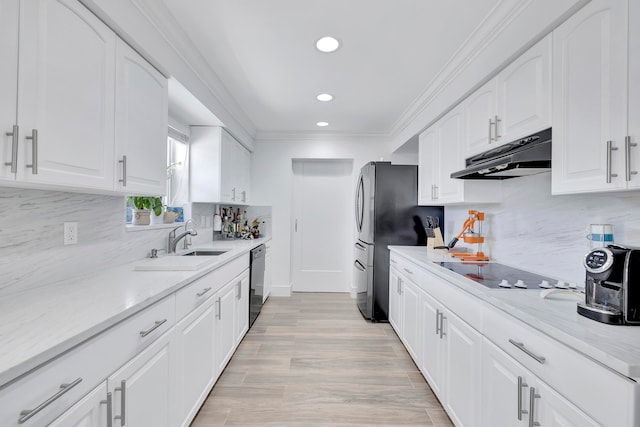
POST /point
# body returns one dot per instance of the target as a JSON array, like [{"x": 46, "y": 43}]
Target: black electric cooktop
[{"x": 500, "y": 276}]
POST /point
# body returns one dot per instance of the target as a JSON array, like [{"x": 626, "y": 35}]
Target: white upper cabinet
[
  {"x": 440, "y": 154},
  {"x": 8, "y": 84},
  {"x": 590, "y": 100},
  {"x": 141, "y": 124},
  {"x": 60, "y": 69},
  {"x": 220, "y": 167},
  {"x": 632, "y": 145},
  {"x": 524, "y": 89},
  {"x": 512, "y": 105},
  {"x": 65, "y": 96},
  {"x": 480, "y": 110}
]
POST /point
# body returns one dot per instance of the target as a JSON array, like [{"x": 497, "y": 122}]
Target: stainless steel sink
[{"x": 204, "y": 253}]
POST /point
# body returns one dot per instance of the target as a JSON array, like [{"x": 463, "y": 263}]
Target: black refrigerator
[{"x": 386, "y": 213}]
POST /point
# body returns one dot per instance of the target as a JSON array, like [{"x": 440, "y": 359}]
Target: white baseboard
[{"x": 280, "y": 291}]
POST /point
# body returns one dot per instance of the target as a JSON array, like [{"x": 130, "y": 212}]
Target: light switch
[{"x": 70, "y": 233}]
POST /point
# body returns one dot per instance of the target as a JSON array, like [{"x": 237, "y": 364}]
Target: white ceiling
[{"x": 264, "y": 54}]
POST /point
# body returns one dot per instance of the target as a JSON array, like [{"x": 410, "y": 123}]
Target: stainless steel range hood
[{"x": 526, "y": 156}]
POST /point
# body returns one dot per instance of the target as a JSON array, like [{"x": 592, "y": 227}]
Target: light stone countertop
[
  {"x": 41, "y": 323},
  {"x": 617, "y": 347}
]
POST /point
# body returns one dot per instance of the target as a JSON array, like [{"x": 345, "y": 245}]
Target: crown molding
[{"x": 319, "y": 136}]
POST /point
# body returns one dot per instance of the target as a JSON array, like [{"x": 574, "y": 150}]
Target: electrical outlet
[{"x": 70, "y": 233}]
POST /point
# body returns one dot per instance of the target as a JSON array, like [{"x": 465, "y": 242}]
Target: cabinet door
[
  {"x": 90, "y": 411},
  {"x": 428, "y": 166},
  {"x": 244, "y": 174},
  {"x": 8, "y": 81},
  {"x": 432, "y": 365},
  {"x": 66, "y": 94},
  {"x": 553, "y": 410},
  {"x": 141, "y": 124},
  {"x": 395, "y": 301},
  {"x": 195, "y": 361},
  {"x": 463, "y": 370},
  {"x": 267, "y": 275},
  {"x": 634, "y": 95},
  {"x": 450, "y": 140},
  {"x": 228, "y": 167},
  {"x": 225, "y": 321},
  {"x": 524, "y": 106},
  {"x": 242, "y": 306},
  {"x": 504, "y": 381},
  {"x": 142, "y": 389},
  {"x": 411, "y": 319},
  {"x": 590, "y": 99},
  {"x": 480, "y": 109}
]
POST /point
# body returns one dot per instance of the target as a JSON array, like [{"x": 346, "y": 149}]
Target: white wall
[
  {"x": 533, "y": 230},
  {"x": 272, "y": 181}
]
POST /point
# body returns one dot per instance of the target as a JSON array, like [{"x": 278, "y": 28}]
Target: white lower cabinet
[
  {"x": 242, "y": 306},
  {"x": 225, "y": 325},
  {"x": 395, "y": 302},
  {"x": 142, "y": 390},
  {"x": 90, "y": 411},
  {"x": 195, "y": 361},
  {"x": 451, "y": 361},
  {"x": 411, "y": 318},
  {"x": 513, "y": 396}
]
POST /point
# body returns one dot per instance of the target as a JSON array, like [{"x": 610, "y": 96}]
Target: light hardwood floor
[{"x": 312, "y": 360}]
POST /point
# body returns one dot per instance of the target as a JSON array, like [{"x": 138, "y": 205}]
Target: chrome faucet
[{"x": 173, "y": 239}]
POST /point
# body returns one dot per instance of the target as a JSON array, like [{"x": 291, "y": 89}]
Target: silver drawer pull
[
  {"x": 610, "y": 149},
  {"x": 64, "y": 388},
  {"x": 155, "y": 326},
  {"x": 521, "y": 385},
  {"x": 14, "y": 149},
  {"x": 124, "y": 171},
  {"x": 34, "y": 151},
  {"x": 532, "y": 405},
  {"x": 408, "y": 271},
  {"x": 109, "y": 403},
  {"x": 521, "y": 346},
  {"x": 204, "y": 291},
  {"x": 123, "y": 403}
]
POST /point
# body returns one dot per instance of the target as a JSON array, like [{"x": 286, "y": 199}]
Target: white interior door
[{"x": 322, "y": 225}]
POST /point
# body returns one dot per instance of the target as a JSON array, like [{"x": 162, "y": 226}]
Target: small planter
[
  {"x": 156, "y": 219},
  {"x": 169, "y": 217},
  {"x": 141, "y": 217}
]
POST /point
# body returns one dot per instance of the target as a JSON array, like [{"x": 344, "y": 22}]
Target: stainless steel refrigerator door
[
  {"x": 363, "y": 277},
  {"x": 364, "y": 203}
]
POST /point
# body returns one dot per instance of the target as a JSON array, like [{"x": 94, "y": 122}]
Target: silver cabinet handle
[
  {"x": 124, "y": 171},
  {"x": 627, "y": 145},
  {"x": 521, "y": 385},
  {"x": 435, "y": 187},
  {"x": 433, "y": 196},
  {"x": 495, "y": 124},
  {"x": 360, "y": 246},
  {"x": 34, "y": 151},
  {"x": 491, "y": 138},
  {"x": 610, "y": 149},
  {"x": 26, "y": 414},
  {"x": 155, "y": 326},
  {"x": 359, "y": 266},
  {"x": 204, "y": 291},
  {"x": 239, "y": 292},
  {"x": 393, "y": 261},
  {"x": 109, "y": 403},
  {"x": 528, "y": 352},
  {"x": 408, "y": 271},
  {"x": 438, "y": 322},
  {"x": 219, "y": 309},
  {"x": 234, "y": 194},
  {"x": 442, "y": 319},
  {"x": 123, "y": 403},
  {"x": 244, "y": 196},
  {"x": 14, "y": 149},
  {"x": 532, "y": 404}
]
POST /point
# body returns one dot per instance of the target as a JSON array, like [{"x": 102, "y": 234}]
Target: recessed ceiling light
[
  {"x": 324, "y": 97},
  {"x": 322, "y": 124},
  {"x": 327, "y": 44}
]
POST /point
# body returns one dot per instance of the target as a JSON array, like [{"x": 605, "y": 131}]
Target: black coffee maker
[{"x": 612, "y": 288}]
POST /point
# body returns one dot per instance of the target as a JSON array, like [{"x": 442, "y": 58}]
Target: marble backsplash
[
  {"x": 546, "y": 234},
  {"x": 31, "y": 236}
]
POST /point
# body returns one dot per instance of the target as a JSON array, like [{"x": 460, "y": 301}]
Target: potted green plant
[{"x": 146, "y": 210}]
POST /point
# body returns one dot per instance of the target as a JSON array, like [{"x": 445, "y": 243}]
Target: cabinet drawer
[
  {"x": 406, "y": 268},
  {"x": 194, "y": 294},
  {"x": 464, "y": 305},
  {"x": 232, "y": 269},
  {"x": 83, "y": 367},
  {"x": 584, "y": 382}
]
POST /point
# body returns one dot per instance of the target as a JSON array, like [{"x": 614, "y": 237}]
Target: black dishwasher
[{"x": 256, "y": 282}]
